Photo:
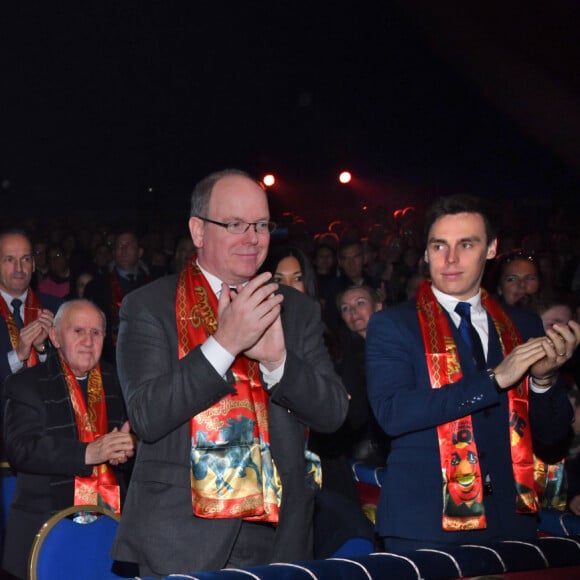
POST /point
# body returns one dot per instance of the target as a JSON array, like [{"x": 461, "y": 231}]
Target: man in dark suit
[
  {"x": 107, "y": 291},
  {"x": 223, "y": 372},
  {"x": 465, "y": 403},
  {"x": 24, "y": 324},
  {"x": 61, "y": 420}
]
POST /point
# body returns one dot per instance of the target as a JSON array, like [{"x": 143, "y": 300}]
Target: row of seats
[{"x": 67, "y": 549}]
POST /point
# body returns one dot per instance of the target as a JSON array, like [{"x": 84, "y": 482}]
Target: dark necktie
[
  {"x": 16, "y": 304},
  {"x": 469, "y": 334}
]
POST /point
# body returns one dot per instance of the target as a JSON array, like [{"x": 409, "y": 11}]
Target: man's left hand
[
  {"x": 270, "y": 350},
  {"x": 564, "y": 338}
]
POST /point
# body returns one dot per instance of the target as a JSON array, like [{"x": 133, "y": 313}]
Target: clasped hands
[
  {"x": 249, "y": 321},
  {"x": 115, "y": 447},
  {"x": 34, "y": 334},
  {"x": 541, "y": 357}
]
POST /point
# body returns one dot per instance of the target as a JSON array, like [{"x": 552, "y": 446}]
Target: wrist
[
  {"x": 22, "y": 357},
  {"x": 41, "y": 348},
  {"x": 493, "y": 378},
  {"x": 543, "y": 382}
]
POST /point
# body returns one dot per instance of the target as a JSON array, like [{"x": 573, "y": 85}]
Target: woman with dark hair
[
  {"x": 517, "y": 278},
  {"x": 290, "y": 266}
]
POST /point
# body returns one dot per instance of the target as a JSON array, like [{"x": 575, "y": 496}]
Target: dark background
[{"x": 118, "y": 105}]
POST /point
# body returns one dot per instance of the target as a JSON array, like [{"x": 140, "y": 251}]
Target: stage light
[
  {"x": 345, "y": 177},
  {"x": 268, "y": 180}
]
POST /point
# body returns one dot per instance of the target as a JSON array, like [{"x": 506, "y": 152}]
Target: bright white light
[
  {"x": 345, "y": 177},
  {"x": 268, "y": 180}
]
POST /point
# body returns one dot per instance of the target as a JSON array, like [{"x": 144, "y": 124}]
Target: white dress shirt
[
  {"x": 479, "y": 321},
  {"x": 221, "y": 359}
]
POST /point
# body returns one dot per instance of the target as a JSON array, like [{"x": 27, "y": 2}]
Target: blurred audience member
[
  {"x": 183, "y": 251},
  {"x": 517, "y": 278}
]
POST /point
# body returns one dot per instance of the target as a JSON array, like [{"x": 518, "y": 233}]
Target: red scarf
[
  {"x": 32, "y": 308},
  {"x": 233, "y": 474},
  {"x": 462, "y": 482},
  {"x": 99, "y": 488}
]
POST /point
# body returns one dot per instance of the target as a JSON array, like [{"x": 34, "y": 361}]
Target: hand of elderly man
[{"x": 115, "y": 447}]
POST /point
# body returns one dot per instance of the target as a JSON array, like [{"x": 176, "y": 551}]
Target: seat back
[{"x": 67, "y": 549}]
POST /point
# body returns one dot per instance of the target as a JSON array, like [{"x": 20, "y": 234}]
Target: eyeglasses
[{"x": 239, "y": 227}]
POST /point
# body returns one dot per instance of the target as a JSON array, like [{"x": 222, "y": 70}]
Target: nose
[
  {"x": 87, "y": 338},
  {"x": 252, "y": 234},
  {"x": 451, "y": 255}
]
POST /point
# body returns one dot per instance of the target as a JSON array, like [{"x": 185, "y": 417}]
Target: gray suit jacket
[{"x": 162, "y": 393}]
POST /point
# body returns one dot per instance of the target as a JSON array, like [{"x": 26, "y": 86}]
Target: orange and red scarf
[
  {"x": 101, "y": 487},
  {"x": 232, "y": 471},
  {"x": 462, "y": 480},
  {"x": 32, "y": 308}
]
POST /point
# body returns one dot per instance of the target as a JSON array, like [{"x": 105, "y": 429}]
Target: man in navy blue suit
[{"x": 466, "y": 395}]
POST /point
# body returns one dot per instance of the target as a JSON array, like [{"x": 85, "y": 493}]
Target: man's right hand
[
  {"x": 517, "y": 363},
  {"x": 34, "y": 333},
  {"x": 244, "y": 317}
]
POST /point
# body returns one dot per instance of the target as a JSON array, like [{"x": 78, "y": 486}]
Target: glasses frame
[{"x": 228, "y": 225}]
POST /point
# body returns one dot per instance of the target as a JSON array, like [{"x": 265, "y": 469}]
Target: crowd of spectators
[{"x": 538, "y": 267}]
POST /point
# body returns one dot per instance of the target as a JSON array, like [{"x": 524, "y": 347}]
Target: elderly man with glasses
[{"x": 223, "y": 372}]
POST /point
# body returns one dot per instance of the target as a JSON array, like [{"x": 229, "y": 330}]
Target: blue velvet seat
[
  {"x": 553, "y": 556},
  {"x": 65, "y": 549}
]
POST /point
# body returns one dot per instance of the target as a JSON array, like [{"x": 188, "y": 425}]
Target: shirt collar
[
  {"x": 214, "y": 282},
  {"x": 8, "y": 298},
  {"x": 450, "y": 302}
]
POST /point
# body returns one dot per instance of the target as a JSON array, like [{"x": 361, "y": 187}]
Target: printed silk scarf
[{"x": 232, "y": 471}]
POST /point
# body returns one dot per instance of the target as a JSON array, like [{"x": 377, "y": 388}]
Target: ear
[
  {"x": 53, "y": 337},
  {"x": 426, "y": 257},
  {"x": 492, "y": 249},
  {"x": 196, "y": 229},
  {"x": 140, "y": 253},
  {"x": 378, "y": 306}
]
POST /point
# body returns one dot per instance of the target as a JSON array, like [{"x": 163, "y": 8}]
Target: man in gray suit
[{"x": 223, "y": 372}]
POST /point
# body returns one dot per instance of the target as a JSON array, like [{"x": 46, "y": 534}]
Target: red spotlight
[
  {"x": 345, "y": 177},
  {"x": 268, "y": 180}
]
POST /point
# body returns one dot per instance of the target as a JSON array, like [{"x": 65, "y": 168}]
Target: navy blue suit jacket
[{"x": 409, "y": 410}]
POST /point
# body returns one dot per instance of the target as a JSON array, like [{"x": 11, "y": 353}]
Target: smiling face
[
  {"x": 356, "y": 308},
  {"x": 457, "y": 250},
  {"x": 519, "y": 278},
  {"x": 16, "y": 264},
  {"x": 79, "y": 335},
  {"x": 233, "y": 258},
  {"x": 289, "y": 273}
]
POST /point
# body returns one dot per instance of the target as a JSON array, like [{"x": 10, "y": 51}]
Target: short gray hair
[{"x": 202, "y": 190}]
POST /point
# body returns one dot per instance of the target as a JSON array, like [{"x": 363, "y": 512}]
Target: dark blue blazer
[
  {"x": 409, "y": 410},
  {"x": 5, "y": 348}
]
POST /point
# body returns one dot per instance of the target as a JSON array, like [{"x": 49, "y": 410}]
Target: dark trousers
[{"x": 252, "y": 547}]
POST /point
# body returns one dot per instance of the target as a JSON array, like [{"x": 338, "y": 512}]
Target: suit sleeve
[
  {"x": 309, "y": 388},
  {"x": 29, "y": 447},
  {"x": 161, "y": 391},
  {"x": 398, "y": 380}
]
